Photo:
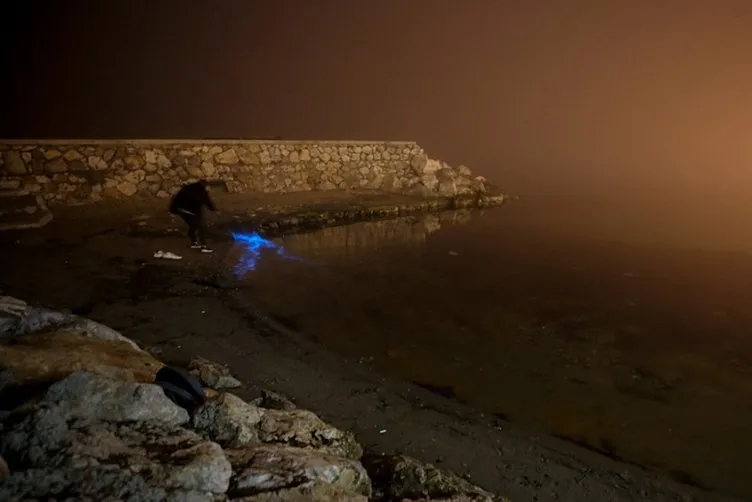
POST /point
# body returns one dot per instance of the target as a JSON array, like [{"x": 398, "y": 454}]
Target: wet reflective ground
[{"x": 641, "y": 351}]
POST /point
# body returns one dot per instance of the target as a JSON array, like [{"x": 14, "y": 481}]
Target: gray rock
[
  {"x": 12, "y": 308},
  {"x": 97, "y": 163},
  {"x": 95, "y": 484},
  {"x": 232, "y": 422},
  {"x": 54, "y": 452},
  {"x": 87, "y": 327},
  {"x": 418, "y": 163},
  {"x": 57, "y": 165},
  {"x": 228, "y": 420},
  {"x": 447, "y": 182},
  {"x": 134, "y": 162},
  {"x": 266, "y": 468},
  {"x": 213, "y": 375},
  {"x": 273, "y": 401},
  {"x": 303, "y": 428},
  {"x": 453, "y": 498},
  {"x": 228, "y": 157},
  {"x": 14, "y": 164},
  {"x": 10, "y": 184},
  {"x": 17, "y": 318},
  {"x": 72, "y": 155},
  {"x": 399, "y": 477},
  {"x": 127, "y": 188},
  {"x": 95, "y": 397},
  {"x": 314, "y": 491}
]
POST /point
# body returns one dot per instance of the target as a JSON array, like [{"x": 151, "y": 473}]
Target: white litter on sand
[{"x": 167, "y": 255}]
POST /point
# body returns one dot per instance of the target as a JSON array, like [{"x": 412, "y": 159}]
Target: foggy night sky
[{"x": 621, "y": 98}]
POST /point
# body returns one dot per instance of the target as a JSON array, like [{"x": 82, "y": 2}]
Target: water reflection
[
  {"x": 357, "y": 241},
  {"x": 360, "y": 240},
  {"x": 252, "y": 246}
]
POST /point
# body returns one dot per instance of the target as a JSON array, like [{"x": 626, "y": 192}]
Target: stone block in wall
[
  {"x": 13, "y": 163},
  {"x": 57, "y": 165},
  {"x": 248, "y": 157},
  {"x": 134, "y": 162},
  {"x": 72, "y": 154},
  {"x": 10, "y": 183},
  {"x": 227, "y": 157},
  {"x": 97, "y": 163}
]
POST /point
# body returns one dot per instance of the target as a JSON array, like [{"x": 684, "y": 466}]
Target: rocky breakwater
[
  {"x": 75, "y": 172},
  {"x": 81, "y": 418}
]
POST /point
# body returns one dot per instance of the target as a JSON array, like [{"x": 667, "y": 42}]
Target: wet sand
[{"x": 548, "y": 372}]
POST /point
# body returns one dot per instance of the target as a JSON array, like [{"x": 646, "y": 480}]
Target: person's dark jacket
[{"x": 192, "y": 198}]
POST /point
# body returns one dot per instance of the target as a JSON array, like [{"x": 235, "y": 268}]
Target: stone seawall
[{"x": 82, "y": 171}]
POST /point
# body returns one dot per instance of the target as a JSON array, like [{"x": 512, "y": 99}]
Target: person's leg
[
  {"x": 193, "y": 233},
  {"x": 201, "y": 232}
]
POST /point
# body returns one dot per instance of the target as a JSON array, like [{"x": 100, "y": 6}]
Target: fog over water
[{"x": 633, "y": 110}]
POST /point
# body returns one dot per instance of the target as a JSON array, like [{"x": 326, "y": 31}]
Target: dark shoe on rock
[{"x": 181, "y": 387}]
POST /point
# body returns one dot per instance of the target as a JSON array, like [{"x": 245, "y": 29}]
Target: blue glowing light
[{"x": 254, "y": 244}]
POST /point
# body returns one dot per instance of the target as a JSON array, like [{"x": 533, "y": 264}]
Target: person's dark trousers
[{"x": 195, "y": 224}]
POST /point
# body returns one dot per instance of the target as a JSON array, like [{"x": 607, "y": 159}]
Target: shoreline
[
  {"x": 265, "y": 212},
  {"x": 184, "y": 309},
  {"x": 311, "y": 220}
]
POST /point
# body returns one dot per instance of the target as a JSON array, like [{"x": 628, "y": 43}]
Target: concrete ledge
[{"x": 197, "y": 141}]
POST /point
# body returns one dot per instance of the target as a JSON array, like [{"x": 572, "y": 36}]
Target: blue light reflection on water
[{"x": 253, "y": 244}]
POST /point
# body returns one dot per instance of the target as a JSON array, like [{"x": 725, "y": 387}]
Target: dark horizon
[{"x": 637, "y": 101}]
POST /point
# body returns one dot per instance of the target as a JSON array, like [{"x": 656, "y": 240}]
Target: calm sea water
[{"x": 641, "y": 350}]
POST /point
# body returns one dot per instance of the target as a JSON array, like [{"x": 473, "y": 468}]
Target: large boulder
[
  {"x": 125, "y": 462},
  {"x": 100, "y": 398},
  {"x": 47, "y": 357},
  {"x": 17, "y": 318},
  {"x": 96, "y": 438}
]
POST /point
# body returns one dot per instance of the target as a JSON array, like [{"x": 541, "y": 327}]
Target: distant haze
[{"x": 645, "y": 103}]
